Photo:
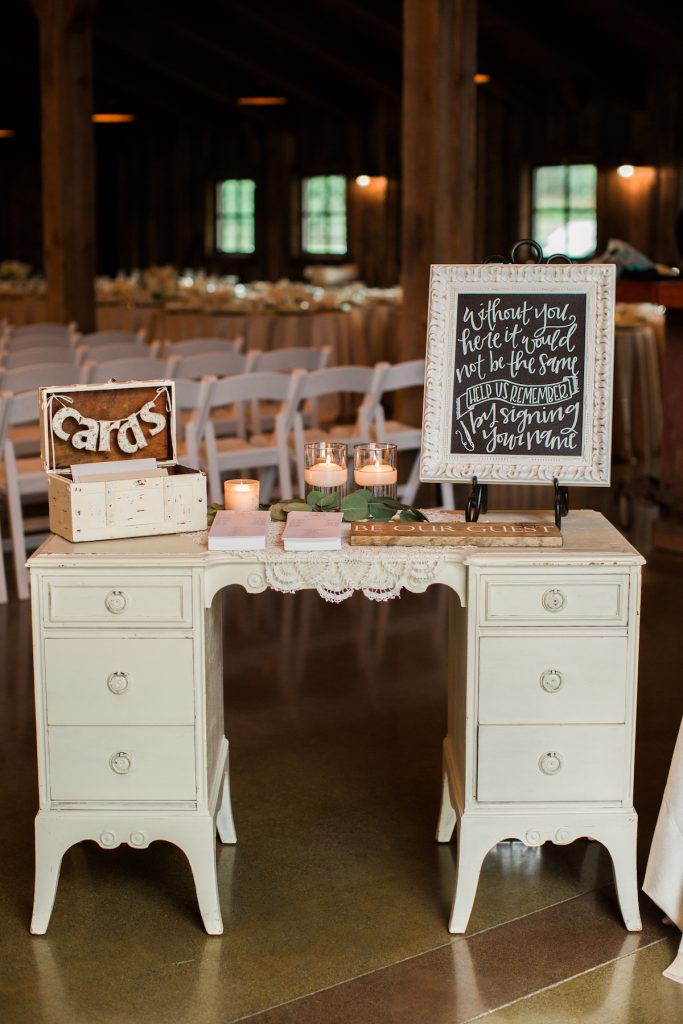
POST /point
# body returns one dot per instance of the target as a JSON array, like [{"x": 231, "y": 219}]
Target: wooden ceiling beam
[
  {"x": 145, "y": 28},
  {"x": 280, "y": 28}
]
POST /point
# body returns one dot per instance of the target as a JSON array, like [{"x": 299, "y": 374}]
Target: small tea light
[
  {"x": 325, "y": 467},
  {"x": 242, "y": 495},
  {"x": 375, "y": 468}
]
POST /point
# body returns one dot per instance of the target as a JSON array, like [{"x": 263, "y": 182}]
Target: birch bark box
[{"x": 117, "y": 423}]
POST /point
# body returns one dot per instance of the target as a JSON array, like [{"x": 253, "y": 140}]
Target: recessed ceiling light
[
  {"x": 113, "y": 118},
  {"x": 481, "y": 79},
  {"x": 363, "y": 180},
  {"x": 626, "y": 171},
  {"x": 261, "y": 101}
]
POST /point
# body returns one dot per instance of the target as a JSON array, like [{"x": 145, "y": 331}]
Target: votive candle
[{"x": 241, "y": 495}]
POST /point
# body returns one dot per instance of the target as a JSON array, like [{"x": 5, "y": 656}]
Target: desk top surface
[{"x": 587, "y": 536}]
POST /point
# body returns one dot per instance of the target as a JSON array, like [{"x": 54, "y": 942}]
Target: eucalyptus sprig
[{"x": 360, "y": 504}]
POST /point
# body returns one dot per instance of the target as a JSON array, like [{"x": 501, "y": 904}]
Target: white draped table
[{"x": 664, "y": 875}]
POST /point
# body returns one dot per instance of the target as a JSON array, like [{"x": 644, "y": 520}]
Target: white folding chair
[
  {"x": 61, "y": 330},
  {"x": 26, "y": 438},
  {"x": 337, "y": 380},
  {"x": 33, "y": 356},
  {"x": 20, "y": 478},
  {"x": 298, "y": 357},
  {"x": 135, "y": 368},
  {"x": 227, "y": 422},
  {"x": 405, "y": 436},
  {"x": 97, "y": 338},
  {"x": 198, "y": 346},
  {"x": 117, "y": 350},
  {"x": 284, "y": 360},
  {"x": 262, "y": 452},
  {"x": 192, "y": 399},
  {"x": 34, "y": 340},
  {"x": 216, "y": 364}
]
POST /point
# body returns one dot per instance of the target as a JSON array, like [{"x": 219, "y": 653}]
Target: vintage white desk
[{"x": 542, "y": 690}]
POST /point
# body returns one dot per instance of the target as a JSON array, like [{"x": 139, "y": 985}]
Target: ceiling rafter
[{"x": 282, "y": 30}]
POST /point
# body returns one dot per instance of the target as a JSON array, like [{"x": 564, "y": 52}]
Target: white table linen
[{"x": 664, "y": 874}]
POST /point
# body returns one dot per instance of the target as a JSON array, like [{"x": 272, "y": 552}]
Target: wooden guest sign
[
  {"x": 480, "y": 534},
  {"x": 518, "y": 376}
]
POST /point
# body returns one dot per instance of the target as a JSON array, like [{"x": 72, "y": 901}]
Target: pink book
[
  {"x": 238, "y": 531},
  {"x": 313, "y": 531}
]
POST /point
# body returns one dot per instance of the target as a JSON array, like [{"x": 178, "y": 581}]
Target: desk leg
[
  {"x": 474, "y": 839},
  {"x": 198, "y": 843},
  {"x": 51, "y": 845},
  {"x": 447, "y": 815},
  {"x": 620, "y": 838},
  {"x": 224, "y": 819}
]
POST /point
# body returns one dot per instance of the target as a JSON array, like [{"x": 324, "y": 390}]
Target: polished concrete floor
[{"x": 336, "y": 896}]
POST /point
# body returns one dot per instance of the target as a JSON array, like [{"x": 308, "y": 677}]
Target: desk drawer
[
  {"x": 116, "y": 600},
  {"x": 570, "y": 678},
  {"x": 121, "y": 763},
  {"x": 553, "y": 599},
  {"x": 117, "y": 680},
  {"x": 549, "y": 763}
]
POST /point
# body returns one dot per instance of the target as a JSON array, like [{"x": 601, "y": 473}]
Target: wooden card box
[{"x": 117, "y": 422}]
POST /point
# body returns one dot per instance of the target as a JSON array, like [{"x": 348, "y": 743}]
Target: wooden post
[
  {"x": 68, "y": 160},
  {"x": 439, "y": 151}
]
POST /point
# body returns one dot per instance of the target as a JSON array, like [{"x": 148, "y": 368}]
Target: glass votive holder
[
  {"x": 325, "y": 468},
  {"x": 241, "y": 495},
  {"x": 375, "y": 468}
]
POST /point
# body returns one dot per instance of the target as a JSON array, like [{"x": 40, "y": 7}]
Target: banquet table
[{"x": 664, "y": 875}]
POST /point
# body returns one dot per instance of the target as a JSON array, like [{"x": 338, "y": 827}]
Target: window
[
  {"x": 235, "y": 215},
  {"x": 563, "y": 215},
  {"x": 323, "y": 215}
]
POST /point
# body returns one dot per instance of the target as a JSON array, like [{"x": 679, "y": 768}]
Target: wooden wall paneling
[{"x": 68, "y": 164}]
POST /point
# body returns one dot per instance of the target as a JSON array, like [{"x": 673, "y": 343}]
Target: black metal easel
[{"x": 478, "y": 499}]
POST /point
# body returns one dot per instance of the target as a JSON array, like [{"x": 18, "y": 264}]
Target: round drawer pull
[
  {"x": 554, "y": 600},
  {"x": 118, "y": 682},
  {"x": 121, "y": 762},
  {"x": 551, "y": 680},
  {"x": 550, "y": 763},
  {"x": 116, "y": 602}
]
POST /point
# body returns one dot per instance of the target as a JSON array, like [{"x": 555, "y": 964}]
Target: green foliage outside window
[
  {"x": 323, "y": 215},
  {"x": 564, "y": 217},
  {"x": 235, "y": 215}
]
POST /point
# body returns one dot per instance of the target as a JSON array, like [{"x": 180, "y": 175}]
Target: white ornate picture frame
[{"x": 506, "y": 418}]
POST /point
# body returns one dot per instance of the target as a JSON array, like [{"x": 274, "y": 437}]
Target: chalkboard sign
[{"x": 519, "y": 374}]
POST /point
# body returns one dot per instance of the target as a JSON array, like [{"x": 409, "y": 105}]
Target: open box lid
[{"x": 107, "y": 423}]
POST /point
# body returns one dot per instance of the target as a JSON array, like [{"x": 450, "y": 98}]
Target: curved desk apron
[{"x": 542, "y": 683}]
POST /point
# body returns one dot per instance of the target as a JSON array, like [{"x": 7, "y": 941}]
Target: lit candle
[
  {"x": 241, "y": 495},
  {"x": 375, "y": 474},
  {"x": 326, "y": 473}
]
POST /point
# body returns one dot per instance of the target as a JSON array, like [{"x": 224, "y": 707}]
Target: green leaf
[
  {"x": 355, "y": 506},
  {"x": 281, "y": 509},
  {"x": 380, "y": 511},
  {"x": 211, "y": 512},
  {"x": 329, "y": 501},
  {"x": 314, "y": 497},
  {"x": 409, "y": 514}
]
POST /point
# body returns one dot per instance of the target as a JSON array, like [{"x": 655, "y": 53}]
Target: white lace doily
[{"x": 381, "y": 573}]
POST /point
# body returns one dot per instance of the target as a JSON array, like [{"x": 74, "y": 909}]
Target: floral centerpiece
[{"x": 161, "y": 282}]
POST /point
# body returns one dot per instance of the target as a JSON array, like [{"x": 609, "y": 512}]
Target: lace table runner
[{"x": 379, "y": 572}]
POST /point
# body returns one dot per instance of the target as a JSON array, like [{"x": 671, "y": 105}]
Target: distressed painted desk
[{"x": 542, "y": 688}]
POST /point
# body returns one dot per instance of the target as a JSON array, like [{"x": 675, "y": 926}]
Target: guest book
[
  {"x": 313, "y": 531},
  {"x": 239, "y": 531}
]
